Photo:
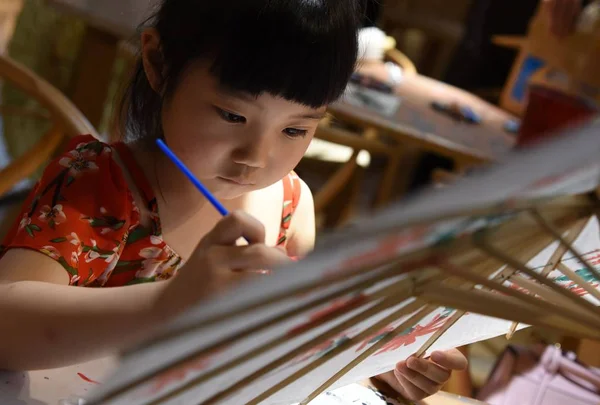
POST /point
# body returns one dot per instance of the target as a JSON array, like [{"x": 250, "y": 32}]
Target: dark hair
[{"x": 301, "y": 50}]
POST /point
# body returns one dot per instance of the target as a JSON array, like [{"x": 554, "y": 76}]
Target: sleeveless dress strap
[{"x": 291, "y": 198}]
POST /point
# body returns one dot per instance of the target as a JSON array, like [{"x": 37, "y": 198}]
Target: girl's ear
[{"x": 152, "y": 59}]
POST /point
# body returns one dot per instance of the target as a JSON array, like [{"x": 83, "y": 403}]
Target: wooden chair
[
  {"x": 349, "y": 152},
  {"x": 9, "y": 11},
  {"x": 378, "y": 69},
  {"x": 428, "y": 30},
  {"x": 66, "y": 120},
  {"x": 352, "y": 151},
  {"x": 400, "y": 59}
]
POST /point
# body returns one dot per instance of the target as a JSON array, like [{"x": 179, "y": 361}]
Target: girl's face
[{"x": 233, "y": 142}]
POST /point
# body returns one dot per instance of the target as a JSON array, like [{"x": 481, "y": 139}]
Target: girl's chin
[{"x": 231, "y": 191}]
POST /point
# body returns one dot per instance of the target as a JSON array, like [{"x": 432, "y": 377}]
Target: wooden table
[
  {"x": 419, "y": 128},
  {"x": 417, "y": 124}
]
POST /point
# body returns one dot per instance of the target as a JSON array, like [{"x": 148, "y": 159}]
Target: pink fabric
[{"x": 523, "y": 377}]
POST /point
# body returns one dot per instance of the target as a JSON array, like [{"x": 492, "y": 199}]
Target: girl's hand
[
  {"x": 416, "y": 379},
  {"x": 563, "y": 15},
  {"x": 218, "y": 263}
]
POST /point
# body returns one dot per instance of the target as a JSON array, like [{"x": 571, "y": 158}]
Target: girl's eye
[
  {"x": 295, "y": 132},
  {"x": 231, "y": 117}
]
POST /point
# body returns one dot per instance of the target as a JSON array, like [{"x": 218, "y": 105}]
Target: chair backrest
[
  {"x": 541, "y": 52},
  {"x": 9, "y": 12},
  {"x": 401, "y": 60},
  {"x": 63, "y": 112},
  {"x": 67, "y": 121},
  {"x": 428, "y": 31},
  {"x": 455, "y": 11}
]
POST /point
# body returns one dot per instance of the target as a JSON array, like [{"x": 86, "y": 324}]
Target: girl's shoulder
[{"x": 80, "y": 210}]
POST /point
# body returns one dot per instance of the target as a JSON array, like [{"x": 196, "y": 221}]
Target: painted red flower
[
  {"x": 335, "y": 309},
  {"x": 180, "y": 373},
  {"x": 409, "y": 336},
  {"x": 374, "y": 338}
]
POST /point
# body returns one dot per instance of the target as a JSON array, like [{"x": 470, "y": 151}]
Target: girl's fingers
[
  {"x": 415, "y": 385},
  {"x": 429, "y": 369},
  {"x": 256, "y": 257},
  {"x": 234, "y": 226},
  {"x": 390, "y": 379},
  {"x": 450, "y": 359}
]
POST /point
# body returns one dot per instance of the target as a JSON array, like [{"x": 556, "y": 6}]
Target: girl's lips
[{"x": 236, "y": 180}]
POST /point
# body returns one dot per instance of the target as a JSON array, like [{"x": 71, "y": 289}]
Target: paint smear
[{"x": 86, "y": 378}]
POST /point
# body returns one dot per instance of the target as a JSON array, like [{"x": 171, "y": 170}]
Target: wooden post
[{"x": 93, "y": 73}]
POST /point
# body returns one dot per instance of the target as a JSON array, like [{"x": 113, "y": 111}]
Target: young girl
[{"x": 236, "y": 89}]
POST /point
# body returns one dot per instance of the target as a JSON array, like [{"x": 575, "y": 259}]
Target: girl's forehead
[{"x": 201, "y": 79}]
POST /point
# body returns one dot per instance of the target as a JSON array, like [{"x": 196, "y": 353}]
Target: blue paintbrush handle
[{"x": 205, "y": 192}]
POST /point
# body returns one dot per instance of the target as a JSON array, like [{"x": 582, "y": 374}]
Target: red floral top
[{"x": 83, "y": 215}]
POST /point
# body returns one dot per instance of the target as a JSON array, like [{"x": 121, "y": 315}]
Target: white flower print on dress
[
  {"x": 79, "y": 161},
  {"x": 112, "y": 261},
  {"x": 75, "y": 241},
  {"x": 52, "y": 216},
  {"x": 92, "y": 255},
  {"x": 74, "y": 260},
  {"x": 159, "y": 263},
  {"x": 156, "y": 240},
  {"x": 51, "y": 251},
  {"x": 26, "y": 220}
]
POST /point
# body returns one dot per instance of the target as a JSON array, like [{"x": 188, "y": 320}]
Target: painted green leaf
[
  {"x": 35, "y": 227},
  {"x": 287, "y": 218},
  {"x": 141, "y": 280},
  {"x": 107, "y": 222},
  {"x": 58, "y": 240},
  {"x": 137, "y": 234},
  {"x": 70, "y": 180},
  {"x": 72, "y": 270},
  {"x": 445, "y": 239},
  {"x": 29, "y": 231},
  {"x": 94, "y": 146},
  {"x": 104, "y": 253},
  {"x": 124, "y": 266},
  {"x": 89, "y": 276},
  {"x": 117, "y": 225},
  {"x": 98, "y": 223},
  {"x": 34, "y": 203}
]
